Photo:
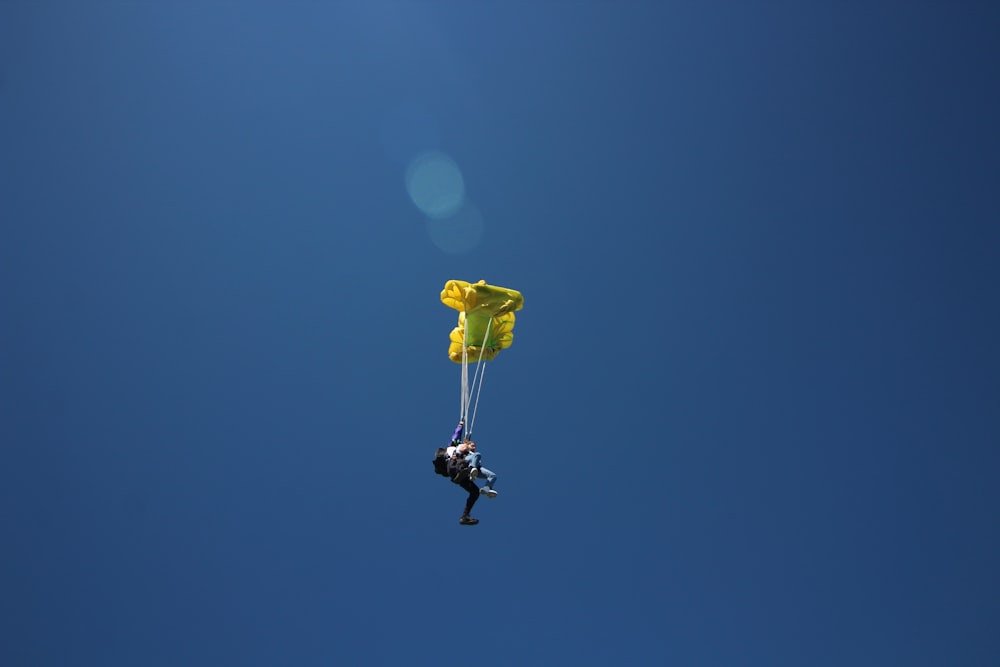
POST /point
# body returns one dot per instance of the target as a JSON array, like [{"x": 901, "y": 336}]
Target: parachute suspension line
[
  {"x": 476, "y": 406},
  {"x": 480, "y": 372},
  {"x": 464, "y": 410}
]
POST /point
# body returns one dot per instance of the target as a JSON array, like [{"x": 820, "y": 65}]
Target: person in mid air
[
  {"x": 464, "y": 466},
  {"x": 467, "y": 450},
  {"x": 458, "y": 471}
]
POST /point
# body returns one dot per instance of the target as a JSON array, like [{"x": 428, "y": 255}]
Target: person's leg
[
  {"x": 489, "y": 475},
  {"x": 490, "y": 478},
  {"x": 473, "y": 490},
  {"x": 473, "y": 462}
]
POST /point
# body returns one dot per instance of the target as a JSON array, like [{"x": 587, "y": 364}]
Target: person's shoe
[
  {"x": 473, "y": 473},
  {"x": 489, "y": 493},
  {"x": 468, "y": 521}
]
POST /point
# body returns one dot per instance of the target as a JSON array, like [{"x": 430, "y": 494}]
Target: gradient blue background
[{"x": 750, "y": 417}]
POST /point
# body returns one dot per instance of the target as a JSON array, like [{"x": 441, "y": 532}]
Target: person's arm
[{"x": 456, "y": 437}]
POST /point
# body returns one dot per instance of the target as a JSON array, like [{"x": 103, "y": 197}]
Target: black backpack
[
  {"x": 441, "y": 462},
  {"x": 450, "y": 468}
]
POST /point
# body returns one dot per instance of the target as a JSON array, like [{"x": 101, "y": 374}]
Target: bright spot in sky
[
  {"x": 435, "y": 185},
  {"x": 460, "y": 233}
]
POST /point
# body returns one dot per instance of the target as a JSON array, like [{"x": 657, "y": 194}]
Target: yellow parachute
[
  {"x": 485, "y": 326},
  {"x": 485, "y": 319}
]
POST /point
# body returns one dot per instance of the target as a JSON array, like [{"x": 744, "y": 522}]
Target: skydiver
[
  {"x": 464, "y": 466},
  {"x": 464, "y": 448},
  {"x": 458, "y": 471},
  {"x": 476, "y": 469}
]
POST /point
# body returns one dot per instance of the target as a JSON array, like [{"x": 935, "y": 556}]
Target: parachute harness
[{"x": 477, "y": 378}]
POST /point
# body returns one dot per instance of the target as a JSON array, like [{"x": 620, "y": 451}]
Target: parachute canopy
[{"x": 485, "y": 319}]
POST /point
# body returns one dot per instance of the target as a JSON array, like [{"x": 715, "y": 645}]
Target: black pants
[{"x": 470, "y": 486}]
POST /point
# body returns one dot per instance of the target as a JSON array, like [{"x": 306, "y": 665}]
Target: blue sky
[{"x": 750, "y": 417}]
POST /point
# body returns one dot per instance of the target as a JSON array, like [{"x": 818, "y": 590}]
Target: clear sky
[{"x": 751, "y": 414}]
